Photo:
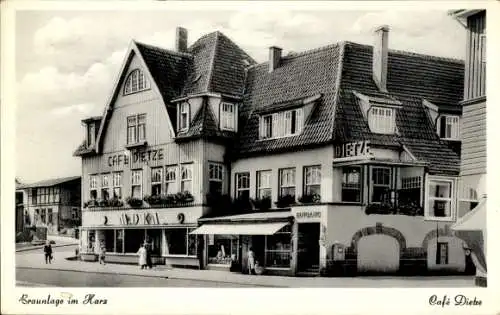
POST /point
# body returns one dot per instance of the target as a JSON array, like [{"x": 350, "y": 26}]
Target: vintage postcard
[{"x": 322, "y": 157}]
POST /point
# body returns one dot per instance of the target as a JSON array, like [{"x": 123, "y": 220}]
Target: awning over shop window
[{"x": 241, "y": 229}]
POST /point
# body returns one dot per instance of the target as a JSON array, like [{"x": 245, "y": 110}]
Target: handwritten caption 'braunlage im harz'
[{"x": 64, "y": 298}]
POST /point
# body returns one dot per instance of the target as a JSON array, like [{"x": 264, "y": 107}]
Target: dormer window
[
  {"x": 282, "y": 124},
  {"x": 136, "y": 81},
  {"x": 449, "y": 127},
  {"x": 90, "y": 135},
  {"x": 228, "y": 117},
  {"x": 382, "y": 120},
  {"x": 184, "y": 117}
]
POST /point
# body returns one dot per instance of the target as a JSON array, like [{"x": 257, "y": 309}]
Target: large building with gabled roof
[{"x": 344, "y": 157}]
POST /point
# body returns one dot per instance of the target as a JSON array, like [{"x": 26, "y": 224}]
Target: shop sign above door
[
  {"x": 352, "y": 149},
  {"x": 314, "y": 215}
]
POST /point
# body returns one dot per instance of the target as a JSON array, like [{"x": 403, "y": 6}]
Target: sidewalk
[{"x": 60, "y": 263}]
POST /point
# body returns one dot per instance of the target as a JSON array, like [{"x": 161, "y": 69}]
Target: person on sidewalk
[
  {"x": 251, "y": 261},
  {"x": 47, "y": 249},
  {"x": 102, "y": 254},
  {"x": 142, "y": 257},
  {"x": 149, "y": 260}
]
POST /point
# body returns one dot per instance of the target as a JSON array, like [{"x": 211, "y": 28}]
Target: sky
[{"x": 67, "y": 61}]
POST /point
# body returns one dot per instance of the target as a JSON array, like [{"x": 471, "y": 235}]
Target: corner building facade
[{"x": 330, "y": 161}]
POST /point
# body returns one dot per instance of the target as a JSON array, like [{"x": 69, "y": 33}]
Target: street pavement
[{"x": 31, "y": 270}]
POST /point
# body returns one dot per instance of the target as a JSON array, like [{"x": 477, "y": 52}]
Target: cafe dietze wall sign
[
  {"x": 352, "y": 149},
  {"x": 136, "y": 156}
]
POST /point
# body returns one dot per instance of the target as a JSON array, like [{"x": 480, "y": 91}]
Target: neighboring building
[
  {"x": 473, "y": 130},
  {"x": 339, "y": 157},
  {"x": 54, "y": 204},
  {"x": 20, "y": 199}
]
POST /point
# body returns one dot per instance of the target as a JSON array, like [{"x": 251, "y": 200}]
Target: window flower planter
[
  {"x": 134, "y": 202},
  {"x": 90, "y": 204},
  {"x": 312, "y": 198},
  {"x": 180, "y": 198},
  {"x": 285, "y": 201},
  {"x": 262, "y": 204},
  {"x": 410, "y": 209}
]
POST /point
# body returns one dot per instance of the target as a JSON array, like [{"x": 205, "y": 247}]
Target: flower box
[
  {"x": 312, "y": 198},
  {"x": 285, "y": 201},
  {"x": 134, "y": 202}
]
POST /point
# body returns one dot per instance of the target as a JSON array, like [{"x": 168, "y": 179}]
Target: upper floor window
[
  {"x": 137, "y": 184},
  {"x": 228, "y": 117},
  {"x": 184, "y": 117},
  {"x": 243, "y": 185},
  {"x": 215, "y": 178},
  {"x": 351, "y": 184},
  {"x": 170, "y": 179},
  {"x": 283, "y": 124},
  {"x": 93, "y": 187},
  {"x": 136, "y": 128},
  {"x": 105, "y": 190},
  {"x": 187, "y": 177},
  {"x": 439, "y": 199},
  {"x": 264, "y": 189},
  {"x": 382, "y": 120},
  {"x": 287, "y": 182},
  {"x": 136, "y": 81},
  {"x": 312, "y": 180},
  {"x": 156, "y": 180},
  {"x": 117, "y": 185},
  {"x": 449, "y": 127},
  {"x": 410, "y": 190}
]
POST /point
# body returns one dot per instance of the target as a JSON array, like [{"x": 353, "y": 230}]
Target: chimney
[
  {"x": 274, "y": 57},
  {"x": 380, "y": 57},
  {"x": 181, "y": 38}
]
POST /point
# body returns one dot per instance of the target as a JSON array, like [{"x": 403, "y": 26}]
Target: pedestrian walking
[
  {"x": 251, "y": 261},
  {"x": 102, "y": 253},
  {"x": 142, "y": 257},
  {"x": 47, "y": 249},
  {"x": 149, "y": 260}
]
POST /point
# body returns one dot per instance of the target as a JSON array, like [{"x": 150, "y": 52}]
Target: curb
[
  {"x": 41, "y": 246},
  {"x": 155, "y": 276}
]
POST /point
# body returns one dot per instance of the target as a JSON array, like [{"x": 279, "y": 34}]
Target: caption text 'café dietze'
[{"x": 135, "y": 157}]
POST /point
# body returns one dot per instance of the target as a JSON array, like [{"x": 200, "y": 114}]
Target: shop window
[
  {"x": 351, "y": 184},
  {"x": 134, "y": 238},
  {"x": 50, "y": 217},
  {"x": 154, "y": 237},
  {"x": 287, "y": 182},
  {"x": 156, "y": 180},
  {"x": 74, "y": 213},
  {"x": 243, "y": 185},
  {"x": 410, "y": 190},
  {"x": 264, "y": 189},
  {"x": 117, "y": 185},
  {"x": 136, "y": 128},
  {"x": 187, "y": 177},
  {"x": 228, "y": 119},
  {"x": 93, "y": 187},
  {"x": 449, "y": 127},
  {"x": 43, "y": 216},
  {"x": 442, "y": 254},
  {"x": 382, "y": 120},
  {"x": 91, "y": 241},
  {"x": 279, "y": 249},
  {"x": 439, "y": 204},
  {"x": 109, "y": 240},
  {"x": 215, "y": 178},
  {"x": 184, "y": 117},
  {"x": 312, "y": 180},
  {"x": 137, "y": 184},
  {"x": 381, "y": 183},
  {"x": 221, "y": 248},
  {"x": 170, "y": 179},
  {"x": 136, "y": 81},
  {"x": 105, "y": 190},
  {"x": 180, "y": 242}
]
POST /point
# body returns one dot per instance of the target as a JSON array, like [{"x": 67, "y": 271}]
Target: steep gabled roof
[
  {"x": 218, "y": 65},
  {"x": 298, "y": 76}
]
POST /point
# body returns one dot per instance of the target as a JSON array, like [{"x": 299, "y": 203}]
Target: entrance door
[{"x": 308, "y": 247}]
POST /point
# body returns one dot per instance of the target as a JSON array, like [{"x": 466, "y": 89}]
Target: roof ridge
[
  {"x": 212, "y": 61},
  {"x": 413, "y": 54},
  {"x": 169, "y": 51}
]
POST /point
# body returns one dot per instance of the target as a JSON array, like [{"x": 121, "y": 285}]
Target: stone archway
[{"x": 378, "y": 229}]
